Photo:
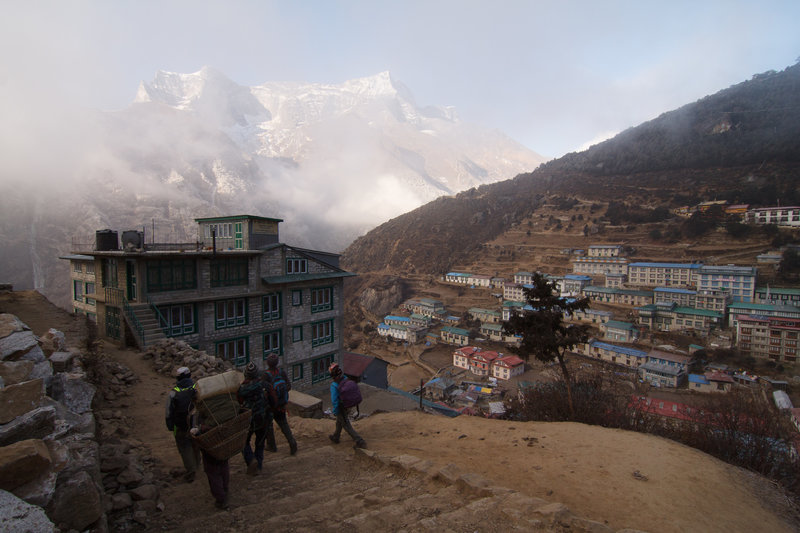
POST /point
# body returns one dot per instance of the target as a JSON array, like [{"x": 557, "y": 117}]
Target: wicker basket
[{"x": 227, "y": 439}]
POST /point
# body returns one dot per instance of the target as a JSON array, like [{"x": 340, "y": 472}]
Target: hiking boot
[
  {"x": 292, "y": 448},
  {"x": 222, "y": 505},
  {"x": 252, "y": 468},
  {"x": 334, "y": 439},
  {"x": 360, "y": 444}
]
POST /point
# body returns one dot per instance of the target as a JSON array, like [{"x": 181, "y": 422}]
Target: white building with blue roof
[{"x": 647, "y": 274}]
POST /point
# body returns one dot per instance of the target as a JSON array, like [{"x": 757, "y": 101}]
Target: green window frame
[
  {"x": 229, "y": 271},
  {"x": 297, "y": 372},
  {"x": 271, "y": 307},
  {"x": 297, "y": 297},
  {"x": 230, "y": 313},
  {"x": 177, "y": 320},
  {"x": 322, "y": 332},
  {"x": 77, "y": 290},
  {"x": 320, "y": 366},
  {"x": 273, "y": 343},
  {"x": 238, "y": 240},
  {"x": 296, "y": 265},
  {"x": 321, "y": 299},
  {"x": 234, "y": 350},
  {"x": 171, "y": 275},
  {"x": 89, "y": 288},
  {"x": 297, "y": 333}
]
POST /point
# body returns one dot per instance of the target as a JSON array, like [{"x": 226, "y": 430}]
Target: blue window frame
[
  {"x": 321, "y": 299},
  {"x": 321, "y": 332}
]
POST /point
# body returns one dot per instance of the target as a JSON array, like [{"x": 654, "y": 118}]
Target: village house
[
  {"x": 605, "y": 250},
  {"x": 393, "y": 320},
  {"x": 523, "y": 278},
  {"x": 573, "y": 284},
  {"x": 618, "y": 355},
  {"x": 713, "y": 300},
  {"x": 481, "y": 362},
  {"x": 618, "y": 296},
  {"x": 515, "y": 292},
  {"x": 780, "y": 216},
  {"x": 83, "y": 284},
  {"x": 681, "y": 297},
  {"x": 616, "y": 330},
  {"x": 452, "y": 335},
  {"x": 594, "y": 266},
  {"x": 664, "y": 369},
  {"x": 461, "y": 278},
  {"x": 421, "y": 321},
  {"x": 616, "y": 281},
  {"x": 365, "y": 369},
  {"x": 594, "y": 316},
  {"x": 711, "y": 382},
  {"x": 495, "y": 333},
  {"x": 770, "y": 338},
  {"x": 671, "y": 317},
  {"x": 236, "y": 292},
  {"x": 462, "y": 356},
  {"x": 511, "y": 307},
  {"x": 507, "y": 367},
  {"x": 480, "y": 280},
  {"x": 425, "y": 306},
  {"x": 740, "y": 280},
  {"x": 408, "y": 333},
  {"x": 485, "y": 315},
  {"x": 735, "y": 310}
]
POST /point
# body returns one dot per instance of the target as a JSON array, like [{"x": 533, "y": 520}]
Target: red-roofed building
[
  {"x": 481, "y": 363},
  {"x": 462, "y": 356},
  {"x": 507, "y": 367},
  {"x": 365, "y": 369}
]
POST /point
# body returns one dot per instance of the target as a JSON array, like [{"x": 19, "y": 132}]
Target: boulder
[
  {"x": 14, "y": 372},
  {"x": 23, "y": 462},
  {"x": 9, "y": 324},
  {"x": 19, "y": 399},
  {"x": 36, "y": 424},
  {"x": 39, "y": 491},
  {"x": 77, "y": 502},
  {"x": 145, "y": 492},
  {"x": 53, "y": 341},
  {"x": 42, "y": 370},
  {"x": 62, "y": 361},
  {"x": 21, "y": 517},
  {"x": 16, "y": 345},
  {"x": 35, "y": 354},
  {"x": 73, "y": 391}
]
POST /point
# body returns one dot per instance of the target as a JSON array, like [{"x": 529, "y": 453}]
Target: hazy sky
[{"x": 554, "y": 75}]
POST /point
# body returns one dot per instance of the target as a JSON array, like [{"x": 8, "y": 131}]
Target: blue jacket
[{"x": 335, "y": 404}]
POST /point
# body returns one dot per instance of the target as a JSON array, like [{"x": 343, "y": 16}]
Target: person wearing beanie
[
  {"x": 341, "y": 413},
  {"x": 280, "y": 386},
  {"x": 251, "y": 395},
  {"x": 180, "y": 404}
]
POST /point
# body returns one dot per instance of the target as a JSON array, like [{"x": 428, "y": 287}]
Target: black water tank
[
  {"x": 106, "y": 239},
  {"x": 132, "y": 239}
]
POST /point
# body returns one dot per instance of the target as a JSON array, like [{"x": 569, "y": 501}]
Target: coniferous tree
[{"x": 541, "y": 326}]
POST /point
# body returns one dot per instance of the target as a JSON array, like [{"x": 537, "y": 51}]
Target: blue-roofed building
[
  {"x": 682, "y": 297},
  {"x": 594, "y": 316},
  {"x": 664, "y": 369},
  {"x": 605, "y": 250},
  {"x": 397, "y": 320},
  {"x": 618, "y": 296},
  {"x": 594, "y": 266},
  {"x": 573, "y": 283},
  {"x": 461, "y": 278},
  {"x": 663, "y": 274},
  {"x": 612, "y": 353},
  {"x": 740, "y": 280}
]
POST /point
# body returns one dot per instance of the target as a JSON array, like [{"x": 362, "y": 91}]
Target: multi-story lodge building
[
  {"x": 515, "y": 292},
  {"x": 778, "y": 295},
  {"x": 713, "y": 299},
  {"x": 618, "y": 296},
  {"x": 605, "y": 250},
  {"x": 83, "y": 285},
  {"x": 237, "y": 292},
  {"x": 662, "y": 274},
  {"x": 781, "y": 216},
  {"x": 740, "y": 280},
  {"x": 485, "y": 315},
  {"x": 593, "y": 266},
  {"x": 619, "y": 355},
  {"x": 427, "y": 307},
  {"x": 769, "y": 337},
  {"x": 682, "y": 297},
  {"x": 671, "y": 317},
  {"x": 488, "y": 363},
  {"x": 523, "y": 278},
  {"x": 737, "y": 310},
  {"x": 664, "y": 369}
]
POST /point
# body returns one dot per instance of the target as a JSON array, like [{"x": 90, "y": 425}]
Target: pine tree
[{"x": 541, "y": 325}]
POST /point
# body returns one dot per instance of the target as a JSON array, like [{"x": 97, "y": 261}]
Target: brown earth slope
[{"x": 589, "y": 469}]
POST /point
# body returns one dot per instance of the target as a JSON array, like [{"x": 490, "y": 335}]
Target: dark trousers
[
  {"x": 218, "y": 473},
  {"x": 283, "y": 423},
  {"x": 257, "y": 454},
  {"x": 190, "y": 455},
  {"x": 343, "y": 422}
]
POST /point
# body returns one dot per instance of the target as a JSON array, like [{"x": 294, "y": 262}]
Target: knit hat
[
  {"x": 183, "y": 372},
  {"x": 251, "y": 370},
  {"x": 272, "y": 360},
  {"x": 335, "y": 370}
]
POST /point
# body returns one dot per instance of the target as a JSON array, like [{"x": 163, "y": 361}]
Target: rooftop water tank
[
  {"x": 105, "y": 240},
  {"x": 132, "y": 239}
]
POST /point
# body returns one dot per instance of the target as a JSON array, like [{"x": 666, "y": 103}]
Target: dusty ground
[{"x": 589, "y": 469}]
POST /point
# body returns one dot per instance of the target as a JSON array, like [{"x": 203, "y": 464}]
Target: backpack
[
  {"x": 281, "y": 387},
  {"x": 349, "y": 393},
  {"x": 182, "y": 404}
]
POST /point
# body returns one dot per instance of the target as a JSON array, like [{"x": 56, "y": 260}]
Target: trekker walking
[
  {"x": 280, "y": 384},
  {"x": 341, "y": 412},
  {"x": 179, "y": 404},
  {"x": 251, "y": 395},
  {"x": 217, "y": 471}
]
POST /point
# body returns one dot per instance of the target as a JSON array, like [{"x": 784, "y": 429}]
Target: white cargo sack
[{"x": 225, "y": 383}]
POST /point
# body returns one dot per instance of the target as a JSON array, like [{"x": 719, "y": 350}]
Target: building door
[
  {"x": 112, "y": 322},
  {"x": 238, "y": 240},
  {"x": 130, "y": 272}
]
